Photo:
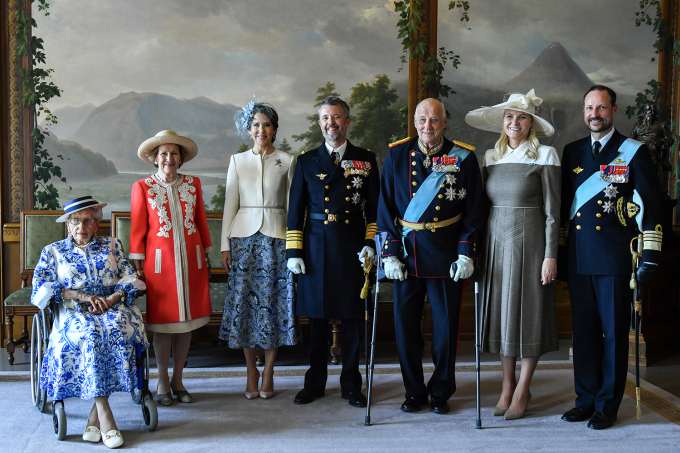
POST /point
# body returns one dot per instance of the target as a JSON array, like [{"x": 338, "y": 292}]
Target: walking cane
[
  {"x": 379, "y": 275},
  {"x": 637, "y": 305},
  {"x": 478, "y": 424}
]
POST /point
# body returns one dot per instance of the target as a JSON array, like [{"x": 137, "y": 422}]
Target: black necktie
[
  {"x": 596, "y": 149},
  {"x": 335, "y": 157}
]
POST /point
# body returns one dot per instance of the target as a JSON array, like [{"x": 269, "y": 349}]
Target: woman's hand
[
  {"x": 548, "y": 271},
  {"x": 226, "y": 260},
  {"x": 97, "y": 304}
]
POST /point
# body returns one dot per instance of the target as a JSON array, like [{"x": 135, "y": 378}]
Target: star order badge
[
  {"x": 357, "y": 182},
  {"x": 450, "y": 194},
  {"x": 461, "y": 193},
  {"x": 356, "y": 198},
  {"x": 610, "y": 191},
  {"x": 578, "y": 170},
  {"x": 450, "y": 179},
  {"x": 608, "y": 206}
]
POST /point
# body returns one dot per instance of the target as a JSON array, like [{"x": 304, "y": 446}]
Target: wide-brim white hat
[
  {"x": 491, "y": 118},
  {"x": 163, "y": 137},
  {"x": 78, "y": 204}
]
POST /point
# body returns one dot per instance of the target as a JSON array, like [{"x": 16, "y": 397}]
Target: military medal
[
  {"x": 450, "y": 194},
  {"x": 321, "y": 176},
  {"x": 356, "y": 198},
  {"x": 427, "y": 162},
  {"x": 461, "y": 193},
  {"x": 356, "y": 167},
  {"x": 608, "y": 206},
  {"x": 450, "y": 179},
  {"x": 610, "y": 191},
  {"x": 357, "y": 182},
  {"x": 446, "y": 164},
  {"x": 614, "y": 173}
]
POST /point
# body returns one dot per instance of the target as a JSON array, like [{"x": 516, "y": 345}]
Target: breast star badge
[
  {"x": 450, "y": 179},
  {"x": 356, "y": 198},
  {"x": 608, "y": 206},
  {"x": 610, "y": 191},
  {"x": 357, "y": 182},
  {"x": 321, "y": 176},
  {"x": 450, "y": 194},
  {"x": 461, "y": 193},
  {"x": 578, "y": 170}
]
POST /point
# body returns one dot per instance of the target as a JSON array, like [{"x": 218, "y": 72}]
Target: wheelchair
[{"x": 40, "y": 334}]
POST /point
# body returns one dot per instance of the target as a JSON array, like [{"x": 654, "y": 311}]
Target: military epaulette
[
  {"x": 404, "y": 140},
  {"x": 464, "y": 145}
]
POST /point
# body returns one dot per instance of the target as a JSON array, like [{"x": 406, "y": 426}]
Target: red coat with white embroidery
[{"x": 170, "y": 234}]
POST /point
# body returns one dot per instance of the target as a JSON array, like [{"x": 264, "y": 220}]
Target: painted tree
[
  {"x": 376, "y": 117},
  {"x": 313, "y": 137},
  {"x": 285, "y": 146}
]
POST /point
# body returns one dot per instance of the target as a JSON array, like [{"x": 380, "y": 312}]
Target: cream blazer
[{"x": 256, "y": 196}]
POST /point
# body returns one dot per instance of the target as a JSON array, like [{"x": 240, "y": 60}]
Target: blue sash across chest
[
  {"x": 593, "y": 185},
  {"x": 424, "y": 196}
]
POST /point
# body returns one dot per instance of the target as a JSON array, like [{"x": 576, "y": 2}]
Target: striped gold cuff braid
[
  {"x": 651, "y": 239},
  {"x": 371, "y": 231},
  {"x": 294, "y": 240}
]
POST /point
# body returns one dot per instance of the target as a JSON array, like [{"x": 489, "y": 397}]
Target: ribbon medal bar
[
  {"x": 356, "y": 167},
  {"x": 614, "y": 173},
  {"x": 445, "y": 164}
]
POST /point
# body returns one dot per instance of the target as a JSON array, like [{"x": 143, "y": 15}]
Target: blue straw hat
[{"x": 78, "y": 204}]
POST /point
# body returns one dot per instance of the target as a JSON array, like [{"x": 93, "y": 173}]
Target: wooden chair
[{"x": 38, "y": 229}]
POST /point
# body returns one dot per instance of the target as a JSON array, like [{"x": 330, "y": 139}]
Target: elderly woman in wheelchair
[{"x": 91, "y": 288}]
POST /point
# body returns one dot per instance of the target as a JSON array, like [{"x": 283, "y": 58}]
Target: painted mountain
[{"x": 78, "y": 163}]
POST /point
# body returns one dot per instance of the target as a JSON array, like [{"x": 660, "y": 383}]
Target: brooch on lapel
[
  {"x": 321, "y": 176},
  {"x": 446, "y": 164},
  {"x": 614, "y": 173},
  {"x": 278, "y": 162},
  {"x": 578, "y": 170},
  {"x": 356, "y": 167}
]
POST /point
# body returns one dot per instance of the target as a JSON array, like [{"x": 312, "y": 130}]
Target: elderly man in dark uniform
[
  {"x": 431, "y": 206},
  {"x": 337, "y": 184},
  {"x": 609, "y": 193}
]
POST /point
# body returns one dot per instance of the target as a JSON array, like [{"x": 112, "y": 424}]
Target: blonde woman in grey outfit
[{"x": 522, "y": 180}]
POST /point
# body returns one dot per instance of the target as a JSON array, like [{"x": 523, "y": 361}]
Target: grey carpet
[{"x": 221, "y": 419}]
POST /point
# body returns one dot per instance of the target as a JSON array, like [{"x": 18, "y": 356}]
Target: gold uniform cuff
[
  {"x": 651, "y": 239},
  {"x": 371, "y": 230},
  {"x": 294, "y": 240}
]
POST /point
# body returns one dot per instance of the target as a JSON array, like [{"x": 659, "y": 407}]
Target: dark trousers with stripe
[
  {"x": 350, "y": 339},
  {"x": 601, "y": 315},
  {"x": 409, "y": 298}
]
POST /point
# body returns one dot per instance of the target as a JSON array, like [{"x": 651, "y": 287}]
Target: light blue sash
[
  {"x": 424, "y": 196},
  {"x": 593, "y": 185}
]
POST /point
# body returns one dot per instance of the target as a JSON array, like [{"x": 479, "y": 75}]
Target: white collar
[
  {"x": 520, "y": 151},
  {"x": 603, "y": 141},
  {"x": 340, "y": 149}
]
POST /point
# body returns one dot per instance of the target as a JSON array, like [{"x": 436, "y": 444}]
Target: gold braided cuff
[
  {"x": 651, "y": 239},
  {"x": 294, "y": 240},
  {"x": 371, "y": 230}
]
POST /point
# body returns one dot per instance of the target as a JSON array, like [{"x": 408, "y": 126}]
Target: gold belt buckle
[
  {"x": 332, "y": 217},
  {"x": 430, "y": 226}
]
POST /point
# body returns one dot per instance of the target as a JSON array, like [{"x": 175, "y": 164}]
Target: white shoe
[
  {"x": 92, "y": 434},
  {"x": 113, "y": 439}
]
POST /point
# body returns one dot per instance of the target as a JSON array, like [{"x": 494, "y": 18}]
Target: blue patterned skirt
[{"x": 259, "y": 309}]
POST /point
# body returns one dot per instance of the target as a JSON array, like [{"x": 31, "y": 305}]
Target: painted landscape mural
[{"x": 130, "y": 70}]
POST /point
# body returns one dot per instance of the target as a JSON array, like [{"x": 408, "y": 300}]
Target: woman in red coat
[{"x": 170, "y": 236}]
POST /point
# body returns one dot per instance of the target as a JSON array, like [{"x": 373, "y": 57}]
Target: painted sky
[{"x": 283, "y": 50}]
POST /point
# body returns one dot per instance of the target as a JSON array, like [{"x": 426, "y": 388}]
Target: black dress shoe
[
  {"x": 413, "y": 404},
  {"x": 356, "y": 398},
  {"x": 601, "y": 421},
  {"x": 439, "y": 405},
  {"x": 306, "y": 396},
  {"x": 577, "y": 414}
]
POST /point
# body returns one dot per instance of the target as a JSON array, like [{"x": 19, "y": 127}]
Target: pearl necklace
[{"x": 84, "y": 246}]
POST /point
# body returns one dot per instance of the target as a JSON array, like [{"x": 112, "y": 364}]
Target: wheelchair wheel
[
  {"x": 59, "y": 420},
  {"x": 149, "y": 413},
  {"x": 38, "y": 343}
]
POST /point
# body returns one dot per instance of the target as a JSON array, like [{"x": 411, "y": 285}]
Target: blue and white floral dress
[{"x": 89, "y": 355}]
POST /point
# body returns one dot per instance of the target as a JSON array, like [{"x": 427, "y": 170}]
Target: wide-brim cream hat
[
  {"x": 491, "y": 118},
  {"x": 163, "y": 137}
]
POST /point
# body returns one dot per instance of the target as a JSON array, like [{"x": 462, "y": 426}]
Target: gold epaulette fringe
[{"x": 403, "y": 140}]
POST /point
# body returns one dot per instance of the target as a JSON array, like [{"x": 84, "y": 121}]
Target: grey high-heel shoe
[{"x": 510, "y": 415}]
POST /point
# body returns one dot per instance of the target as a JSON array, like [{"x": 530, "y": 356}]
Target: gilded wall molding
[{"x": 16, "y": 120}]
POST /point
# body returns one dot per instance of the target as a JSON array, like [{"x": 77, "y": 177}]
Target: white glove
[
  {"x": 296, "y": 265},
  {"x": 395, "y": 269},
  {"x": 367, "y": 252},
  {"x": 464, "y": 268}
]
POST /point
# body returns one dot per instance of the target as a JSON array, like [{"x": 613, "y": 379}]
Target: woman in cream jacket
[{"x": 258, "y": 310}]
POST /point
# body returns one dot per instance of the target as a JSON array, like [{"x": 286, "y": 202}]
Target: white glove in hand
[
  {"x": 296, "y": 265},
  {"x": 367, "y": 253},
  {"x": 395, "y": 269},
  {"x": 464, "y": 268}
]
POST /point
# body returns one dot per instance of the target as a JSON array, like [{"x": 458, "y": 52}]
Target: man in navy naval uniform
[
  {"x": 609, "y": 193},
  {"x": 431, "y": 206},
  {"x": 337, "y": 184}
]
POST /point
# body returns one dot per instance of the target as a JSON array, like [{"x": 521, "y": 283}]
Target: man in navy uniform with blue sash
[
  {"x": 431, "y": 206},
  {"x": 609, "y": 194},
  {"x": 337, "y": 185}
]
